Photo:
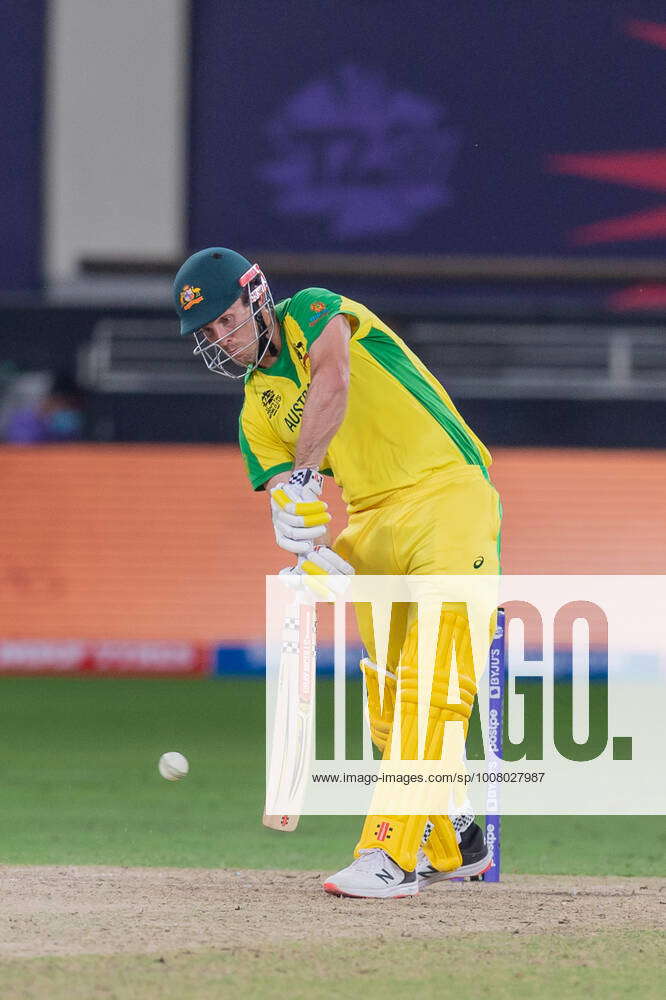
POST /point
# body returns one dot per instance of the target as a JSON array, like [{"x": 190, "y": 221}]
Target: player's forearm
[{"x": 323, "y": 413}]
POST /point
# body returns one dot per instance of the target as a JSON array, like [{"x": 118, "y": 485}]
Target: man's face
[{"x": 235, "y": 329}]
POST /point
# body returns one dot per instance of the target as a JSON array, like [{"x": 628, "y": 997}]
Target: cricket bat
[{"x": 293, "y": 724}]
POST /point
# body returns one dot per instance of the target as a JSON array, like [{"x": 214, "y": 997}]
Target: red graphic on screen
[
  {"x": 644, "y": 169},
  {"x": 639, "y": 297}
]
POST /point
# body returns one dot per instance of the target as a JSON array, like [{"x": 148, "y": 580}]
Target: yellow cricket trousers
[{"x": 447, "y": 525}]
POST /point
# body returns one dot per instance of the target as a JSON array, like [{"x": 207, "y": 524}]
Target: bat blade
[{"x": 294, "y": 720}]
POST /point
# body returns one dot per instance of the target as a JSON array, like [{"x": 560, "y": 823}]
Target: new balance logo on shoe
[{"x": 373, "y": 875}]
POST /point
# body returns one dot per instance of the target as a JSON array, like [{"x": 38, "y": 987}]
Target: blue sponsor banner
[
  {"x": 250, "y": 660},
  {"x": 422, "y": 128}
]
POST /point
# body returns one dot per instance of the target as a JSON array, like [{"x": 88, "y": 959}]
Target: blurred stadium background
[
  {"x": 491, "y": 179},
  {"x": 493, "y": 186}
]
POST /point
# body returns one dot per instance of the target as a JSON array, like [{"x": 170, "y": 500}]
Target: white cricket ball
[{"x": 173, "y": 766}]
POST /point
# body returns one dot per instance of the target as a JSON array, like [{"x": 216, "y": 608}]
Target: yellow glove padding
[
  {"x": 303, "y": 514},
  {"x": 299, "y": 516},
  {"x": 322, "y": 572}
]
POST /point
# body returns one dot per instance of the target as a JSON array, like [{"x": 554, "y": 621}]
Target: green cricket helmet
[{"x": 207, "y": 284}]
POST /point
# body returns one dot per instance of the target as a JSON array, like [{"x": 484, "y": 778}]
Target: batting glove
[
  {"x": 299, "y": 516},
  {"x": 321, "y": 560},
  {"x": 321, "y": 571}
]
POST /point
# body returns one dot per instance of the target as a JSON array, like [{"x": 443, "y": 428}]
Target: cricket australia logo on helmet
[
  {"x": 190, "y": 297},
  {"x": 230, "y": 280}
]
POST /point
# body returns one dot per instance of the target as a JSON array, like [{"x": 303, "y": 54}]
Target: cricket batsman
[{"x": 331, "y": 390}]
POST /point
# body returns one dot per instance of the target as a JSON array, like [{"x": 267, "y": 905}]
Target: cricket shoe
[
  {"x": 476, "y": 859},
  {"x": 373, "y": 875}
]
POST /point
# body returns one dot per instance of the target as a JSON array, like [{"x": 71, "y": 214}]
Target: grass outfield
[
  {"x": 597, "y": 966},
  {"x": 80, "y": 786}
]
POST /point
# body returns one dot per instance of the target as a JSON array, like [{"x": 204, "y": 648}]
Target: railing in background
[
  {"x": 516, "y": 346},
  {"x": 494, "y": 359}
]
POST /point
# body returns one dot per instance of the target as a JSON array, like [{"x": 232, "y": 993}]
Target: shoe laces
[{"x": 373, "y": 858}]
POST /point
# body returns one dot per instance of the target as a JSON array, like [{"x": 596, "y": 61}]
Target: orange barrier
[{"x": 168, "y": 542}]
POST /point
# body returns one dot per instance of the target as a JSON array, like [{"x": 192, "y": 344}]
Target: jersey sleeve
[
  {"x": 312, "y": 308},
  {"x": 263, "y": 452}
]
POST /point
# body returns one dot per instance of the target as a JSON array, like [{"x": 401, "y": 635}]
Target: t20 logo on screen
[{"x": 361, "y": 155}]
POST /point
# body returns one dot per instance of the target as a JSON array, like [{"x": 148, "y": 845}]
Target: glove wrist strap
[{"x": 310, "y": 477}]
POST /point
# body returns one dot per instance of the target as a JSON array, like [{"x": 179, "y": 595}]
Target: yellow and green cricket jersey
[{"x": 400, "y": 425}]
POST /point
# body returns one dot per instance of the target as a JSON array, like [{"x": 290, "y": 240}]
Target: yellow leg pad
[
  {"x": 442, "y": 848},
  {"x": 400, "y": 836},
  {"x": 453, "y": 633},
  {"x": 380, "y": 711}
]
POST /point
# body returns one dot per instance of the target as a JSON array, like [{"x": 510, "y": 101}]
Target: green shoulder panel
[
  {"x": 312, "y": 308},
  {"x": 389, "y": 354}
]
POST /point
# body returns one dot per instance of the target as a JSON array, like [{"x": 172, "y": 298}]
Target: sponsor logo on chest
[
  {"x": 295, "y": 414},
  {"x": 271, "y": 401},
  {"x": 301, "y": 352}
]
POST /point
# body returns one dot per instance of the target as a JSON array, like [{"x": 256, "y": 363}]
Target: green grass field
[
  {"x": 80, "y": 786},
  {"x": 595, "y": 966}
]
